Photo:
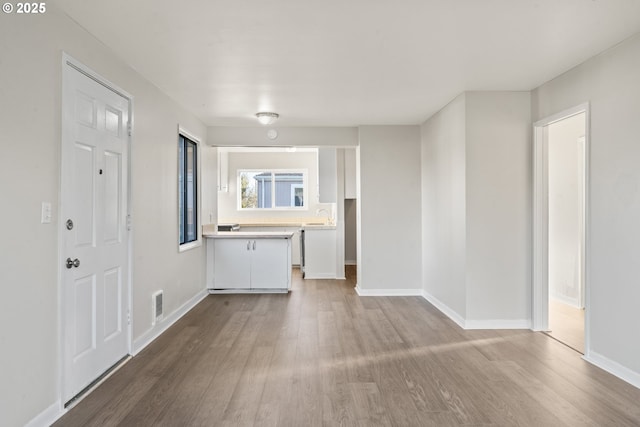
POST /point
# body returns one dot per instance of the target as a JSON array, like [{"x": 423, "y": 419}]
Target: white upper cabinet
[
  {"x": 327, "y": 175},
  {"x": 350, "y": 173}
]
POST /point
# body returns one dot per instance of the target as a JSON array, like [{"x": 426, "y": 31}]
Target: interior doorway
[{"x": 560, "y": 193}]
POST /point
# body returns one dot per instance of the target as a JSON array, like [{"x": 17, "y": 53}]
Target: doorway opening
[{"x": 560, "y": 240}]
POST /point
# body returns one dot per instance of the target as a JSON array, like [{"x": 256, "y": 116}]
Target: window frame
[
  {"x": 274, "y": 172},
  {"x": 185, "y": 138}
]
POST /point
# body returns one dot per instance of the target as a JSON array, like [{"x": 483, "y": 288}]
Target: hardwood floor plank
[{"x": 322, "y": 355}]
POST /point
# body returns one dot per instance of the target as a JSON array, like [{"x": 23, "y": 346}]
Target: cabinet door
[
  {"x": 270, "y": 264},
  {"x": 232, "y": 264},
  {"x": 320, "y": 254}
]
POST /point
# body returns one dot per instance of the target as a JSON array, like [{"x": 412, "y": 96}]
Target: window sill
[{"x": 191, "y": 245}]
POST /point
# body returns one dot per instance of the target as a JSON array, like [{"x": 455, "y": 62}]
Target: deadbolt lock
[{"x": 69, "y": 224}]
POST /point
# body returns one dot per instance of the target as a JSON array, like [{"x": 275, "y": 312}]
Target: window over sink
[{"x": 283, "y": 189}]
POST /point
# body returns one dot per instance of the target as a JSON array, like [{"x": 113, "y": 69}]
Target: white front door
[{"x": 94, "y": 232}]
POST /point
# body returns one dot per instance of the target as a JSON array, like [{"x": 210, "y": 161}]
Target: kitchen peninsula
[{"x": 248, "y": 261}]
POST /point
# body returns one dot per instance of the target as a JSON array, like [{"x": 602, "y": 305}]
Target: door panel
[
  {"x": 84, "y": 190},
  {"x": 269, "y": 264},
  {"x": 232, "y": 264},
  {"x": 94, "y": 197},
  {"x": 112, "y": 194},
  {"x": 112, "y": 303},
  {"x": 85, "y": 322}
]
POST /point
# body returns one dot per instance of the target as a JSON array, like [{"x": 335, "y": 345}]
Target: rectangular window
[
  {"x": 187, "y": 190},
  {"x": 272, "y": 189}
]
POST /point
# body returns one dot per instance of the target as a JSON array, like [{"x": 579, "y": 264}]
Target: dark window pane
[{"x": 188, "y": 181}]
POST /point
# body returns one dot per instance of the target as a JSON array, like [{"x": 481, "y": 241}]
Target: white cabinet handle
[{"x": 254, "y": 245}]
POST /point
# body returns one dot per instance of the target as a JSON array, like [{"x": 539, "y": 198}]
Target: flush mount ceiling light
[{"x": 267, "y": 118}]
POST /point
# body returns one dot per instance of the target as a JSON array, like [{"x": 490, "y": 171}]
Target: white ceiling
[{"x": 348, "y": 62}]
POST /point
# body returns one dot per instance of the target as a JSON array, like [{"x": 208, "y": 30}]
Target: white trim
[
  {"x": 445, "y": 309},
  {"x": 153, "y": 333},
  {"x": 320, "y": 276},
  {"x": 48, "y": 416},
  {"x": 198, "y": 141},
  {"x": 540, "y": 287},
  {"x": 350, "y": 262},
  {"x": 497, "y": 324},
  {"x": 68, "y": 63},
  {"x": 614, "y": 368},
  {"x": 540, "y": 263},
  {"x": 572, "y": 302},
  {"x": 249, "y": 291},
  {"x": 190, "y": 245},
  {"x": 387, "y": 292},
  {"x": 476, "y": 324}
]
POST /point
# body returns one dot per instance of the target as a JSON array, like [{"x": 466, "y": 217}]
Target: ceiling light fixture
[{"x": 267, "y": 118}]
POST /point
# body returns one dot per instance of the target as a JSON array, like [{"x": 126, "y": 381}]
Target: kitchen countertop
[
  {"x": 318, "y": 227},
  {"x": 248, "y": 235},
  {"x": 276, "y": 222}
]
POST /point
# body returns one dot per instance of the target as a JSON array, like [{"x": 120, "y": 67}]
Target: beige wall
[
  {"x": 609, "y": 82},
  {"x": 30, "y": 104},
  {"x": 498, "y": 208},
  {"x": 389, "y": 208},
  {"x": 443, "y": 206},
  {"x": 476, "y": 187}
]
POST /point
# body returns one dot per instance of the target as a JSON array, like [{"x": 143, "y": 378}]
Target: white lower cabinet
[
  {"x": 249, "y": 264},
  {"x": 232, "y": 261},
  {"x": 319, "y": 253}
]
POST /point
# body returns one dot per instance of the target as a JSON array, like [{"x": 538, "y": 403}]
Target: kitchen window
[
  {"x": 187, "y": 192},
  {"x": 272, "y": 189}
]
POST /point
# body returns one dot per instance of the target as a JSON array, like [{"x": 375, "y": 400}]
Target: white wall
[
  {"x": 233, "y": 136},
  {"x": 565, "y": 168},
  {"x": 498, "y": 208},
  {"x": 390, "y": 220},
  {"x": 443, "y": 206},
  {"x": 609, "y": 82},
  {"x": 228, "y": 201},
  {"x": 30, "y": 103},
  {"x": 476, "y": 189}
]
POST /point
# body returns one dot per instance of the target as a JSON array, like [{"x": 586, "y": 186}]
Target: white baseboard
[
  {"x": 320, "y": 276},
  {"x": 387, "y": 292},
  {"x": 48, "y": 416},
  {"x": 572, "y": 302},
  {"x": 473, "y": 323},
  {"x": 445, "y": 309},
  {"x": 497, "y": 324},
  {"x": 613, "y": 368},
  {"x": 153, "y": 333},
  {"x": 350, "y": 262}
]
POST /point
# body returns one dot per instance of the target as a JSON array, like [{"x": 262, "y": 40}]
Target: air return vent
[{"x": 157, "y": 300}]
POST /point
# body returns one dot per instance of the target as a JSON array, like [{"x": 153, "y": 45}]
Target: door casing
[{"x": 540, "y": 270}]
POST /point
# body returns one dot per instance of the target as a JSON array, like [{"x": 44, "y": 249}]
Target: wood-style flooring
[
  {"x": 322, "y": 355},
  {"x": 566, "y": 324}
]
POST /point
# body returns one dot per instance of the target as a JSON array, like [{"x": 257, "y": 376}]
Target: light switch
[{"x": 46, "y": 213}]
